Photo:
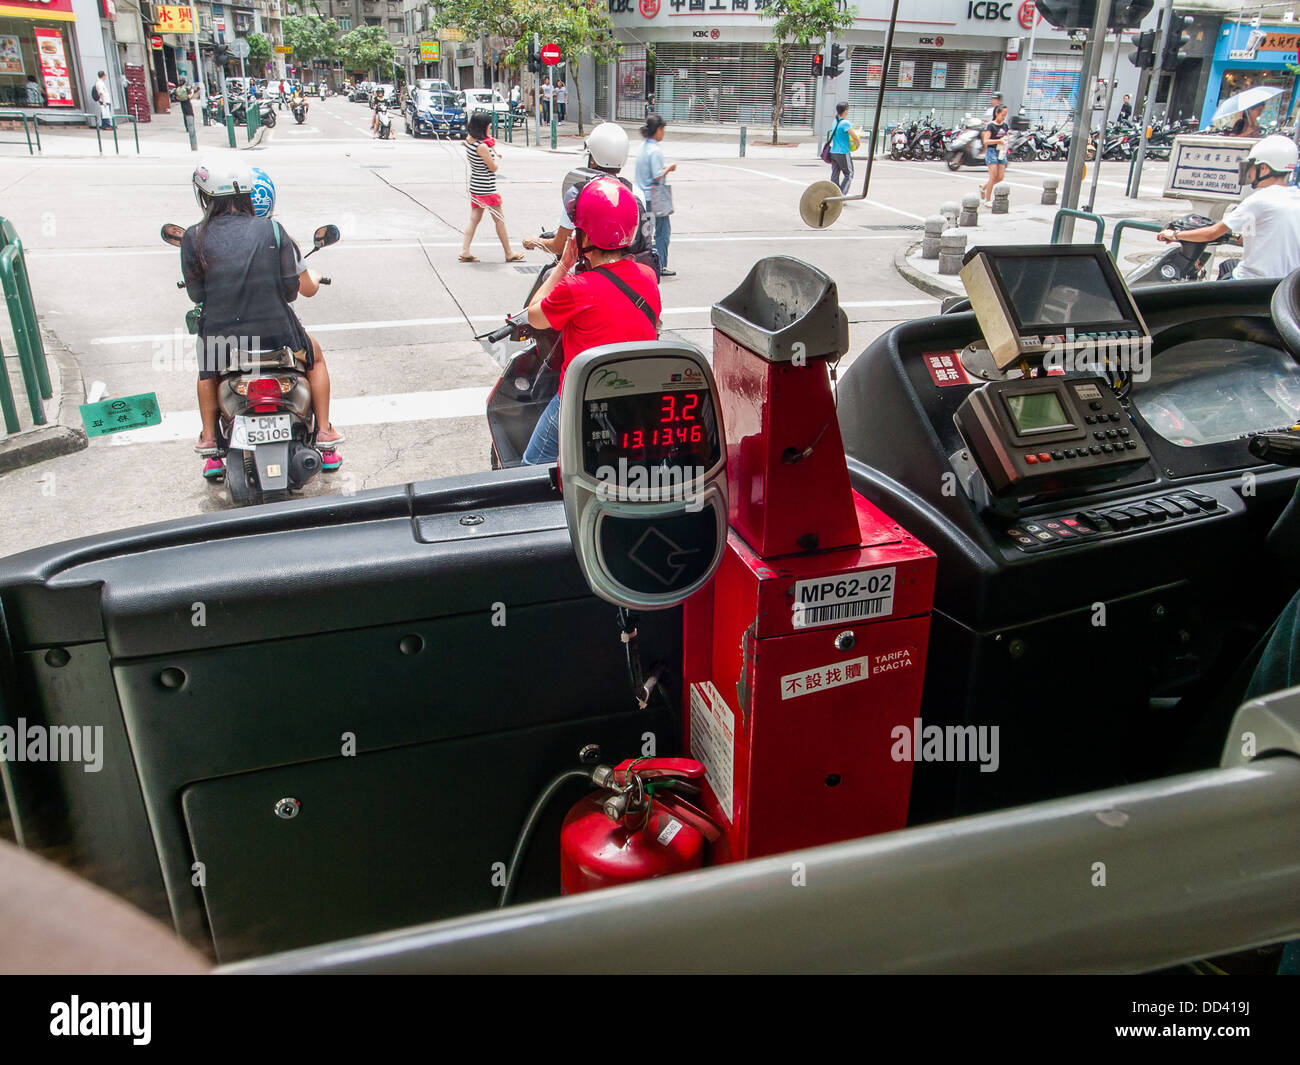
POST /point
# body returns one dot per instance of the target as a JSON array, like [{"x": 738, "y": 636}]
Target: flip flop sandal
[
  {"x": 469, "y": 258},
  {"x": 329, "y": 445},
  {"x": 518, "y": 257},
  {"x": 330, "y": 461},
  {"x": 214, "y": 470},
  {"x": 207, "y": 452}
]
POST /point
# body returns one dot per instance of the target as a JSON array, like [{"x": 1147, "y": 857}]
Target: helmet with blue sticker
[{"x": 263, "y": 193}]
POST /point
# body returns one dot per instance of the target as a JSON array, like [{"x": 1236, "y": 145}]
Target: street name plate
[{"x": 1205, "y": 168}]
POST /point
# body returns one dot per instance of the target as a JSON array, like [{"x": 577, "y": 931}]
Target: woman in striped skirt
[{"x": 483, "y": 195}]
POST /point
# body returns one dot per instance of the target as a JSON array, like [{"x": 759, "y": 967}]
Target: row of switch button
[
  {"x": 1090, "y": 523},
  {"x": 1099, "y": 419},
  {"x": 1070, "y": 452}
]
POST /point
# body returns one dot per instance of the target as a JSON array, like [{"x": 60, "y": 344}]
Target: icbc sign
[
  {"x": 989, "y": 10},
  {"x": 649, "y": 8},
  {"x": 1027, "y": 13}
]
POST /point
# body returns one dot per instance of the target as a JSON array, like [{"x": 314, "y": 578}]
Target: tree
[
  {"x": 797, "y": 24},
  {"x": 579, "y": 27},
  {"x": 259, "y": 51},
  {"x": 368, "y": 49},
  {"x": 311, "y": 38}
]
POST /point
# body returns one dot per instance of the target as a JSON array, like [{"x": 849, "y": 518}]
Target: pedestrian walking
[
  {"x": 35, "y": 97},
  {"x": 562, "y": 99},
  {"x": 100, "y": 94},
  {"x": 652, "y": 180},
  {"x": 187, "y": 107},
  {"x": 514, "y": 97},
  {"x": 546, "y": 100},
  {"x": 996, "y": 136},
  {"x": 842, "y": 149},
  {"x": 483, "y": 195}
]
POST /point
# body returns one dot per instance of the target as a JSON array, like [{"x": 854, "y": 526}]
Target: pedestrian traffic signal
[
  {"x": 819, "y": 66},
  {"x": 1145, "y": 56},
  {"x": 834, "y": 63},
  {"x": 534, "y": 60},
  {"x": 1177, "y": 43}
]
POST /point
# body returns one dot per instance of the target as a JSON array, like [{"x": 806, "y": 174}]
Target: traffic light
[
  {"x": 534, "y": 60},
  {"x": 1145, "y": 56},
  {"x": 819, "y": 66},
  {"x": 1079, "y": 14},
  {"x": 1176, "y": 44},
  {"x": 834, "y": 62},
  {"x": 220, "y": 53}
]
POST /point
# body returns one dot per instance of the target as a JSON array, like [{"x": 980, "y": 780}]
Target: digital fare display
[
  {"x": 1038, "y": 412},
  {"x": 659, "y": 430}
]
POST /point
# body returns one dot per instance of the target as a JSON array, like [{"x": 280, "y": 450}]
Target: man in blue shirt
[{"x": 841, "y": 151}]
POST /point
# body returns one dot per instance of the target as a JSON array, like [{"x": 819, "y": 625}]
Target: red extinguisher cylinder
[{"x": 597, "y": 852}]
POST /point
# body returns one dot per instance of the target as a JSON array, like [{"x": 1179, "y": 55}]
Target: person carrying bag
[{"x": 652, "y": 180}]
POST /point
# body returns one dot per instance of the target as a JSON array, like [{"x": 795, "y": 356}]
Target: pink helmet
[{"x": 606, "y": 211}]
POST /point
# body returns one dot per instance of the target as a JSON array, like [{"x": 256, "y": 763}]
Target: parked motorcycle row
[{"x": 924, "y": 138}]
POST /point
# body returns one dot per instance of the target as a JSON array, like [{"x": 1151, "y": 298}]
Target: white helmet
[
  {"x": 1278, "y": 153},
  {"x": 222, "y": 179},
  {"x": 607, "y": 146}
]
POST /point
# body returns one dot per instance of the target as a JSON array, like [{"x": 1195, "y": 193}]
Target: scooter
[
  {"x": 266, "y": 428},
  {"x": 967, "y": 147},
  {"x": 1184, "y": 260},
  {"x": 239, "y": 111},
  {"x": 299, "y": 109},
  {"x": 385, "y": 120}
]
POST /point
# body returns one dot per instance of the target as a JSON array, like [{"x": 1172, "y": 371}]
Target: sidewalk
[{"x": 1030, "y": 222}]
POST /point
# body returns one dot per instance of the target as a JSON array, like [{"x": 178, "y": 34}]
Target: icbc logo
[
  {"x": 1027, "y": 13},
  {"x": 715, "y": 34},
  {"x": 649, "y": 8},
  {"x": 936, "y": 41},
  {"x": 988, "y": 9}
]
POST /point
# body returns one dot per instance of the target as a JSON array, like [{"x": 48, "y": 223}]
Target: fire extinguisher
[{"x": 638, "y": 826}]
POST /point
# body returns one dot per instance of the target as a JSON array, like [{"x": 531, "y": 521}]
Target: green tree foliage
[
  {"x": 259, "y": 51},
  {"x": 311, "y": 38},
  {"x": 579, "y": 27},
  {"x": 797, "y": 24},
  {"x": 368, "y": 49}
]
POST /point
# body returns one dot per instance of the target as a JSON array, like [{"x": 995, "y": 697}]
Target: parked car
[
  {"x": 485, "y": 100},
  {"x": 360, "y": 93},
  {"x": 435, "y": 113}
]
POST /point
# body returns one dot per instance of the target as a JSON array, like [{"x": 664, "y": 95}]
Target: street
[{"x": 397, "y": 324}]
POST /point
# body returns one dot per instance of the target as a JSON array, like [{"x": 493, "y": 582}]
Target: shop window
[
  {"x": 345, "y": 23},
  {"x": 36, "y": 63}
]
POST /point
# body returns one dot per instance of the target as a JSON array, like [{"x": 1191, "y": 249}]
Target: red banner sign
[{"x": 54, "y": 67}]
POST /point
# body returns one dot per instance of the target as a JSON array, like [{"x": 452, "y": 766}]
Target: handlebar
[
  {"x": 1282, "y": 448},
  {"x": 510, "y": 328}
]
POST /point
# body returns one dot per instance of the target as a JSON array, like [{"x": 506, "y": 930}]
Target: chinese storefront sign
[
  {"x": 429, "y": 51},
  {"x": 174, "y": 20},
  {"x": 54, "y": 67}
]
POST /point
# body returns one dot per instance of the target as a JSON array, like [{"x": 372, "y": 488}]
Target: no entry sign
[{"x": 550, "y": 54}]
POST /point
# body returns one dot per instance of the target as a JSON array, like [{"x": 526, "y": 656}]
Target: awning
[{"x": 10, "y": 11}]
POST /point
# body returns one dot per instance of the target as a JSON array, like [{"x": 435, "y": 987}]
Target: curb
[
  {"x": 917, "y": 279},
  {"x": 58, "y": 438}
]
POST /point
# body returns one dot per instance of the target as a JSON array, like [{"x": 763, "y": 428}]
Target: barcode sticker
[
  {"x": 669, "y": 830},
  {"x": 856, "y": 596}
]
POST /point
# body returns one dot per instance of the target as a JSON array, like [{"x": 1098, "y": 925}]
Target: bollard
[
  {"x": 554, "y": 136},
  {"x": 952, "y": 247},
  {"x": 949, "y": 210},
  {"x": 1001, "y": 198},
  {"x": 934, "y": 228},
  {"x": 970, "y": 210},
  {"x": 230, "y": 129},
  {"x": 1049, "y": 190},
  {"x": 189, "y": 128},
  {"x": 743, "y": 131}
]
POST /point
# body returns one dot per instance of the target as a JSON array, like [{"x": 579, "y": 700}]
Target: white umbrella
[{"x": 1245, "y": 100}]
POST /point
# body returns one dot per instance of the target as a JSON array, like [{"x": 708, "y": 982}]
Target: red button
[
  {"x": 1043, "y": 456},
  {"x": 1070, "y": 522},
  {"x": 1032, "y": 460}
]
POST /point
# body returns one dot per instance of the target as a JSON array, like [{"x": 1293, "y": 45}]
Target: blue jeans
[
  {"x": 663, "y": 231},
  {"x": 544, "y": 446}
]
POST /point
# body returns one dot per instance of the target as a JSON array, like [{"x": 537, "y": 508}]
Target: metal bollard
[
  {"x": 743, "y": 131},
  {"x": 1049, "y": 190},
  {"x": 952, "y": 247},
  {"x": 934, "y": 227},
  {"x": 230, "y": 129},
  {"x": 1001, "y": 198},
  {"x": 949, "y": 209},
  {"x": 970, "y": 210}
]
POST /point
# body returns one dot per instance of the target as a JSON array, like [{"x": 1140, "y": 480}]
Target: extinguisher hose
[{"x": 530, "y": 824}]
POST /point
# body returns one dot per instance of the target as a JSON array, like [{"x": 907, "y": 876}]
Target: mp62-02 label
[{"x": 858, "y": 596}]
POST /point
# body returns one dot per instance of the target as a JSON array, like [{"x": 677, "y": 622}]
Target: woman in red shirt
[{"x": 615, "y": 299}]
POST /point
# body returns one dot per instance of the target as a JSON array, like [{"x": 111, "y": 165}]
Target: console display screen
[
  {"x": 649, "y": 430},
  {"x": 1057, "y": 292},
  {"x": 1038, "y": 412}
]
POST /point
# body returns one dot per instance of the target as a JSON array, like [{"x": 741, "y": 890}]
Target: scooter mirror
[
  {"x": 325, "y": 236},
  {"x": 172, "y": 234}
]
